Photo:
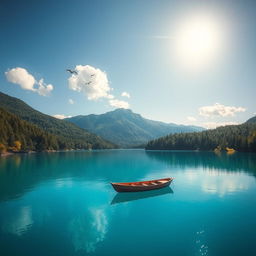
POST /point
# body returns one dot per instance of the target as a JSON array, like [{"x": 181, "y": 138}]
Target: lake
[{"x": 62, "y": 204}]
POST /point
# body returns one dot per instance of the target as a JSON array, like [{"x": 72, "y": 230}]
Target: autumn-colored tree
[
  {"x": 2, "y": 148},
  {"x": 17, "y": 145}
]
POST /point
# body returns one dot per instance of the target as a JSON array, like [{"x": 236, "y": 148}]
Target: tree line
[{"x": 237, "y": 137}]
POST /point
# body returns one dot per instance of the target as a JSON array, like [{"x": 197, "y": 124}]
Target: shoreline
[
  {"x": 45, "y": 151},
  {"x": 6, "y": 154}
]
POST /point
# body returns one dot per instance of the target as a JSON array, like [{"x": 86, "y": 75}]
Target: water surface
[{"x": 62, "y": 204}]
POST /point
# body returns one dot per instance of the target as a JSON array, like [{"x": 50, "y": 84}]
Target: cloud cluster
[
  {"x": 94, "y": 84},
  {"x": 118, "y": 103},
  {"x": 26, "y": 81},
  {"x": 91, "y": 81},
  {"x": 43, "y": 89},
  {"x": 213, "y": 125},
  {"x": 219, "y": 110},
  {"x": 60, "y": 116}
]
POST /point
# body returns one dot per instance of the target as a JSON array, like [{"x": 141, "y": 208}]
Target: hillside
[
  {"x": 70, "y": 135},
  {"x": 19, "y": 135},
  {"x": 127, "y": 129},
  {"x": 251, "y": 120},
  {"x": 239, "y": 137}
]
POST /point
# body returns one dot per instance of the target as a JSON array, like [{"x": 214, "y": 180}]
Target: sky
[{"x": 185, "y": 62}]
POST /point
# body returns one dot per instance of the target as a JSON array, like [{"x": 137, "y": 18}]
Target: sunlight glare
[{"x": 197, "y": 41}]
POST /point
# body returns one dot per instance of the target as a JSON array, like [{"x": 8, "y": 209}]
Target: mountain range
[
  {"x": 126, "y": 128},
  {"x": 67, "y": 134},
  {"x": 24, "y": 129}
]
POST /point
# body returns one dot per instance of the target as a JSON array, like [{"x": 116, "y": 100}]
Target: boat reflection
[{"x": 131, "y": 196}]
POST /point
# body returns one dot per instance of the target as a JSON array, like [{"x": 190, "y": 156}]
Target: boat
[
  {"x": 141, "y": 185},
  {"x": 128, "y": 197}
]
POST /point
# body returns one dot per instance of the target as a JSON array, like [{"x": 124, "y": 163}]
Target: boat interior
[{"x": 146, "y": 183}]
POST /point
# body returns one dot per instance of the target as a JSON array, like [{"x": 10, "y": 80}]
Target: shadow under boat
[{"x": 128, "y": 196}]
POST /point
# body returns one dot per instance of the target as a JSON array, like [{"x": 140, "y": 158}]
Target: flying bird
[{"x": 72, "y": 71}]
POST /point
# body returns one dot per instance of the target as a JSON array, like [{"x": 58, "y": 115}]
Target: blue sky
[{"x": 135, "y": 44}]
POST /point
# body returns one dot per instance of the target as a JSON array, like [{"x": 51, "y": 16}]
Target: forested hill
[
  {"x": 239, "y": 137},
  {"x": 70, "y": 135},
  {"x": 19, "y": 135},
  {"x": 126, "y": 128},
  {"x": 251, "y": 120}
]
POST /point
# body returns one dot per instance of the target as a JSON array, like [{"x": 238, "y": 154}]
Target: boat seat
[
  {"x": 144, "y": 184},
  {"x": 153, "y": 183}
]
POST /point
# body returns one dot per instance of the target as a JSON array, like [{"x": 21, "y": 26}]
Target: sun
[{"x": 197, "y": 41}]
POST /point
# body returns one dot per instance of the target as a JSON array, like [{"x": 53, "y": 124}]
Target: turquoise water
[{"x": 62, "y": 204}]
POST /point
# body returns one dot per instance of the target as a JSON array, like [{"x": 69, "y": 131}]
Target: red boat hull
[{"x": 142, "y": 185}]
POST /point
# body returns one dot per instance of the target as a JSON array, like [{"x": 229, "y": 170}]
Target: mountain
[
  {"x": 238, "y": 137},
  {"x": 127, "y": 129},
  {"x": 251, "y": 120},
  {"x": 69, "y": 134}
]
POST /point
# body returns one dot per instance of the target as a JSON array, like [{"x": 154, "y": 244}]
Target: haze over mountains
[{"x": 126, "y": 128}]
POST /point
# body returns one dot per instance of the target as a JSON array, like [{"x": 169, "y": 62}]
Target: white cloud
[
  {"x": 21, "y": 77},
  {"x": 118, "y": 103},
  {"x": 213, "y": 125},
  {"x": 26, "y": 81},
  {"x": 94, "y": 84},
  {"x": 219, "y": 110},
  {"x": 91, "y": 81},
  {"x": 43, "y": 89},
  {"x": 191, "y": 118},
  {"x": 70, "y": 101},
  {"x": 60, "y": 116},
  {"x": 125, "y": 94}
]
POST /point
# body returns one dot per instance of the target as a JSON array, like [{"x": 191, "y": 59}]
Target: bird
[{"x": 72, "y": 71}]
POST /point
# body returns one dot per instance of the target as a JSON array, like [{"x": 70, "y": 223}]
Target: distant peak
[{"x": 251, "y": 120}]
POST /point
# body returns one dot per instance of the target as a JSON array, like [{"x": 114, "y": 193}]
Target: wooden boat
[{"x": 141, "y": 185}]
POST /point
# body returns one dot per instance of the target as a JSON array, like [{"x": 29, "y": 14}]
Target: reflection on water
[
  {"x": 64, "y": 203},
  {"x": 217, "y": 182},
  {"x": 19, "y": 222},
  {"x": 20, "y": 173},
  {"x": 130, "y": 196},
  {"x": 88, "y": 229},
  {"x": 224, "y": 183},
  {"x": 245, "y": 162}
]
